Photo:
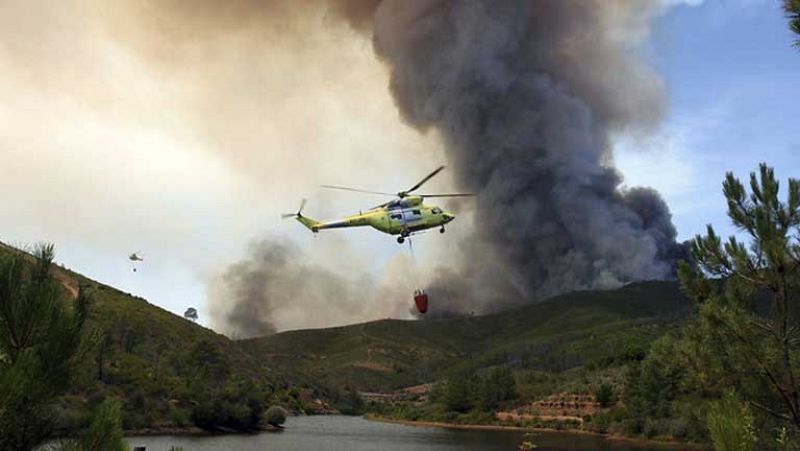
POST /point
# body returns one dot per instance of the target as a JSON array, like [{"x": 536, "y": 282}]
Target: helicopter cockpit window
[
  {"x": 416, "y": 212},
  {"x": 436, "y": 210},
  {"x": 396, "y": 217}
]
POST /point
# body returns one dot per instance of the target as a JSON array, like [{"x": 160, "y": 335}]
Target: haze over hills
[
  {"x": 561, "y": 333},
  {"x": 555, "y": 335}
]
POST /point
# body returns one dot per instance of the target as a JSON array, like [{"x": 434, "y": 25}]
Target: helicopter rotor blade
[
  {"x": 422, "y": 182},
  {"x": 449, "y": 195},
  {"x": 288, "y": 215},
  {"x": 344, "y": 188},
  {"x": 381, "y": 205}
]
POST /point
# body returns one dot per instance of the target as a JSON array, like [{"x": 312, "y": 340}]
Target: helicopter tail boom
[{"x": 311, "y": 224}]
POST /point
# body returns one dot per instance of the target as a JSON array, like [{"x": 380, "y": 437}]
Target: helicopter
[
  {"x": 134, "y": 257},
  {"x": 405, "y": 215}
]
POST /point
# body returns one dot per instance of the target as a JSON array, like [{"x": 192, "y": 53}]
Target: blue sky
[{"x": 734, "y": 90}]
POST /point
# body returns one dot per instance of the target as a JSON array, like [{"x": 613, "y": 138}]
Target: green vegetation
[
  {"x": 589, "y": 329},
  {"x": 564, "y": 348},
  {"x": 744, "y": 336},
  {"x": 730, "y": 424},
  {"x": 463, "y": 391},
  {"x": 497, "y": 386},
  {"x": 643, "y": 360},
  {"x": 61, "y": 360},
  {"x": 459, "y": 393},
  {"x": 42, "y": 344},
  {"x": 275, "y": 416},
  {"x": 604, "y": 395},
  {"x": 104, "y": 432},
  {"x": 750, "y": 321},
  {"x": 792, "y": 8}
]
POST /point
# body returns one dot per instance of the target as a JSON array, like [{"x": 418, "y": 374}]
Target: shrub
[
  {"x": 604, "y": 395},
  {"x": 207, "y": 415},
  {"x": 730, "y": 424},
  {"x": 275, "y": 416},
  {"x": 599, "y": 422},
  {"x": 348, "y": 402},
  {"x": 104, "y": 433},
  {"x": 178, "y": 417}
]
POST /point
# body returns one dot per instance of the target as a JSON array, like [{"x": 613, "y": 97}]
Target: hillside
[
  {"x": 170, "y": 372},
  {"x": 592, "y": 328},
  {"x": 162, "y": 366}
]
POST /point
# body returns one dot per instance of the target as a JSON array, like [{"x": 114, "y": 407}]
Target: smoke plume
[
  {"x": 525, "y": 95},
  {"x": 277, "y": 285},
  {"x": 200, "y": 121}
]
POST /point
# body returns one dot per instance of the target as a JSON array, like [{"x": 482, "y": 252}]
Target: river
[{"x": 341, "y": 433}]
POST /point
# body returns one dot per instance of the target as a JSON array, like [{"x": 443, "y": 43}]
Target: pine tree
[
  {"x": 792, "y": 8},
  {"x": 40, "y": 344},
  {"x": 748, "y": 293}
]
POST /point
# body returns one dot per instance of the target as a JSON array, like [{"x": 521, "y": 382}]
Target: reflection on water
[{"x": 340, "y": 433}]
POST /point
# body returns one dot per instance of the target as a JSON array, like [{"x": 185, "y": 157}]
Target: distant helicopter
[
  {"x": 402, "y": 216},
  {"x": 134, "y": 257}
]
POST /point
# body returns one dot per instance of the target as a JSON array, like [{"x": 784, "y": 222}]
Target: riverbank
[
  {"x": 666, "y": 445},
  {"x": 193, "y": 431}
]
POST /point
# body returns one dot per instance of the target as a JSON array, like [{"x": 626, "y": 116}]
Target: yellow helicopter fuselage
[{"x": 399, "y": 217}]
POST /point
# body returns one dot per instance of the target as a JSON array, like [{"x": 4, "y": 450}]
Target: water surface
[{"x": 340, "y": 433}]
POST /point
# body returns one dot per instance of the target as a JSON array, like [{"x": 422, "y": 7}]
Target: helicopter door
[
  {"x": 396, "y": 218},
  {"x": 413, "y": 217},
  {"x": 403, "y": 220}
]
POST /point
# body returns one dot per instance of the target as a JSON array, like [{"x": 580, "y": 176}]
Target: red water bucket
[{"x": 421, "y": 299}]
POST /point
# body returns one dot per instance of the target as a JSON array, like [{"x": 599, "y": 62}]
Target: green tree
[
  {"x": 604, "y": 395},
  {"x": 209, "y": 367},
  {"x": 104, "y": 433},
  {"x": 348, "y": 401},
  {"x": 747, "y": 293},
  {"x": 792, "y": 8},
  {"x": 654, "y": 386},
  {"x": 498, "y": 386},
  {"x": 459, "y": 393},
  {"x": 730, "y": 424},
  {"x": 40, "y": 346},
  {"x": 208, "y": 414}
]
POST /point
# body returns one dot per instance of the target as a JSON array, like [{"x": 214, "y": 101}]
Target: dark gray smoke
[
  {"x": 525, "y": 95},
  {"x": 279, "y": 286},
  {"x": 252, "y": 294}
]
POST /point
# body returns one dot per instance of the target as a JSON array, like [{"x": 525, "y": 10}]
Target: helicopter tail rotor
[
  {"x": 299, "y": 211},
  {"x": 310, "y": 223}
]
